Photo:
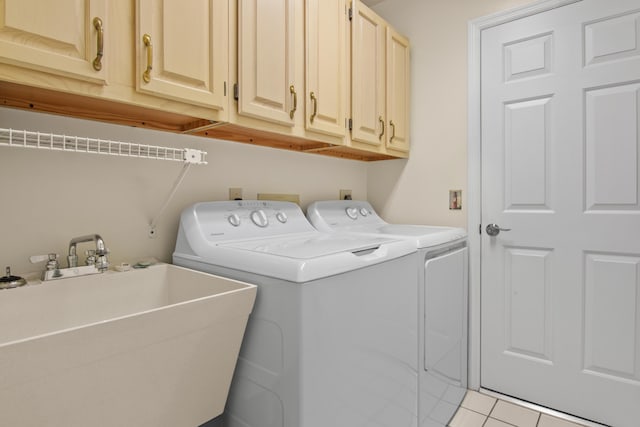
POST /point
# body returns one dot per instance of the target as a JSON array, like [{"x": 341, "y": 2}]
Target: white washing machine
[
  {"x": 442, "y": 299},
  {"x": 332, "y": 337}
]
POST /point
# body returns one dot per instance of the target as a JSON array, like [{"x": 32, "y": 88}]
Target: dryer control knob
[
  {"x": 352, "y": 213},
  {"x": 282, "y": 217},
  {"x": 259, "y": 218},
  {"x": 364, "y": 211},
  {"x": 234, "y": 220}
]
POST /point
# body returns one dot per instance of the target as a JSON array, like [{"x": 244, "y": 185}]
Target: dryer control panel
[
  {"x": 356, "y": 216},
  {"x": 329, "y": 215}
]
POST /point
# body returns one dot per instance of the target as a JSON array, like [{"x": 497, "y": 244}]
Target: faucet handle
[
  {"x": 34, "y": 259},
  {"x": 52, "y": 260}
]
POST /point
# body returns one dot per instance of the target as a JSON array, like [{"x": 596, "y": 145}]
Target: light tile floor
[{"x": 480, "y": 410}]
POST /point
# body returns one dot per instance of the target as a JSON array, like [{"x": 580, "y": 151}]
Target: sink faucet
[{"x": 100, "y": 259}]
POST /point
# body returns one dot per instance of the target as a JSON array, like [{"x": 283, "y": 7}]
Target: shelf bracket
[{"x": 152, "y": 233}]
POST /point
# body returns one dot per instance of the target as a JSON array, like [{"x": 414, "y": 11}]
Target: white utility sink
[{"x": 145, "y": 348}]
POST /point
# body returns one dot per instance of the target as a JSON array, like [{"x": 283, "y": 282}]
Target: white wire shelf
[{"x": 76, "y": 144}]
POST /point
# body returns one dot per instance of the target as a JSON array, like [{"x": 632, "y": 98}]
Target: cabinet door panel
[
  {"x": 266, "y": 60},
  {"x": 58, "y": 37},
  {"x": 326, "y": 71},
  {"x": 398, "y": 82},
  {"x": 189, "y": 42},
  {"x": 367, "y": 76}
]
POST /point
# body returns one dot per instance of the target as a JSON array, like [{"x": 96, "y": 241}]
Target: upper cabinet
[
  {"x": 380, "y": 83},
  {"x": 368, "y": 69},
  {"x": 398, "y": 85},
  {"x": 267, "y": 86},
  {"x": 182, "y": 50},
  {"x": 326, "y": 71},
  {"x": 62, "y": 37},
  {"x": 318, "y": 76}
]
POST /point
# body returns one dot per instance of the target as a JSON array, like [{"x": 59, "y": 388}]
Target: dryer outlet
[{"x": 345, "y": 194}]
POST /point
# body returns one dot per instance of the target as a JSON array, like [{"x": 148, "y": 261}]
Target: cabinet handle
[
  {"x": 146, "y": 76},
  {"x": 382, "y": 125},
  {"x": 292, "y": 90},
  {"x": 315, "y": 107},
  {"x": 393, "y": 130},
  {"x": 97, "y": 63}
]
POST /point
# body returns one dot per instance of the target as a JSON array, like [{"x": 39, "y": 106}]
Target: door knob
[{"x": 494, "y": 229}]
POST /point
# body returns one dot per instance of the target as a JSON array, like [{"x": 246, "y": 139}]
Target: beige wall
[
  {"x": 50, "y": 197},
  {"x": 417, "y": 190}
]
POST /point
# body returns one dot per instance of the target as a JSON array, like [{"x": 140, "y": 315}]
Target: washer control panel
[{"x": 238, "y": 219}]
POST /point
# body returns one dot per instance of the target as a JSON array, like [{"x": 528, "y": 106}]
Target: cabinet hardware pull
[
  {"x": 292, "y": 90},
  {"x": 393, "y": 130},
  {"x": 381, "y": 124},
  {"x": 97, "y": 63},
  {"x": 315, "y": 107},
  {"x": 146, "y": 76}
]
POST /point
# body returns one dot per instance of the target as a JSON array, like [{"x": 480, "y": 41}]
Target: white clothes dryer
[
  {"x": 442, "y": 299},
  {"x": 332, "y": 337}
]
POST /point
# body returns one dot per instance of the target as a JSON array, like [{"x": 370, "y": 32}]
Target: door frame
[{"x": 474, "y": 166}]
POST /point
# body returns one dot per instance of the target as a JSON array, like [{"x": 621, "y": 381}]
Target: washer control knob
[
  {"x": 282, "y": 217},
  {"x": 259, "y": 218},
  {"x": 364, "y": 211},
  {"x": 234, "y": 220},
  {"x": 352, "y": 213}
]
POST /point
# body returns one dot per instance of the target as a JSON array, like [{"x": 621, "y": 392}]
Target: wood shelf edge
[{"x": 31, "y": 98}]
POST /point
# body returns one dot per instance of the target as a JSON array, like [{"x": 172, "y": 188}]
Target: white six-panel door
[{"x": 560, "y": 292}]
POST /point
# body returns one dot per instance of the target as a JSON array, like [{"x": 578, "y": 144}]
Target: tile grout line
[
  {"x": 493, "y": 407},
  {"x": 497, "y": 419}
]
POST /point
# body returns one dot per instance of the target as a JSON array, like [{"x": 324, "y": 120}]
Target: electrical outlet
[
  {"x": 235, "y": 193},
  {"x": 345, "y": 194}
]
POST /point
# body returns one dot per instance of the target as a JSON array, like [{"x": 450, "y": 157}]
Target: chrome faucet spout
[{"x": 101, "y": 251}]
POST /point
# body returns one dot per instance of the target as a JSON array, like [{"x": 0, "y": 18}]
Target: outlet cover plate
[
  {"x": 345, "y": 194},
  {"x": 235, "y": 193}
]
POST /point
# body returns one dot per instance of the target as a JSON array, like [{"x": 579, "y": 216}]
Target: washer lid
[
  {"x": 311, "y": 245},
  {"x": 296, "y": 258}
]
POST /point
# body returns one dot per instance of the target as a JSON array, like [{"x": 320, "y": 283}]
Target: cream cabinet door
[
  {"x": 398, "y": 83},
  {"x": 266, "y": 60},
  {"x": 182, "y": 50},
  {"x": 367, "y": 76},
  {"x": 326, "y": 68},
  {"x": 62, "y": 37}
]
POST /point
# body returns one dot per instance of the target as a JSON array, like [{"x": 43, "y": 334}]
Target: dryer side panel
[{"x": 445, "y": 329}]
